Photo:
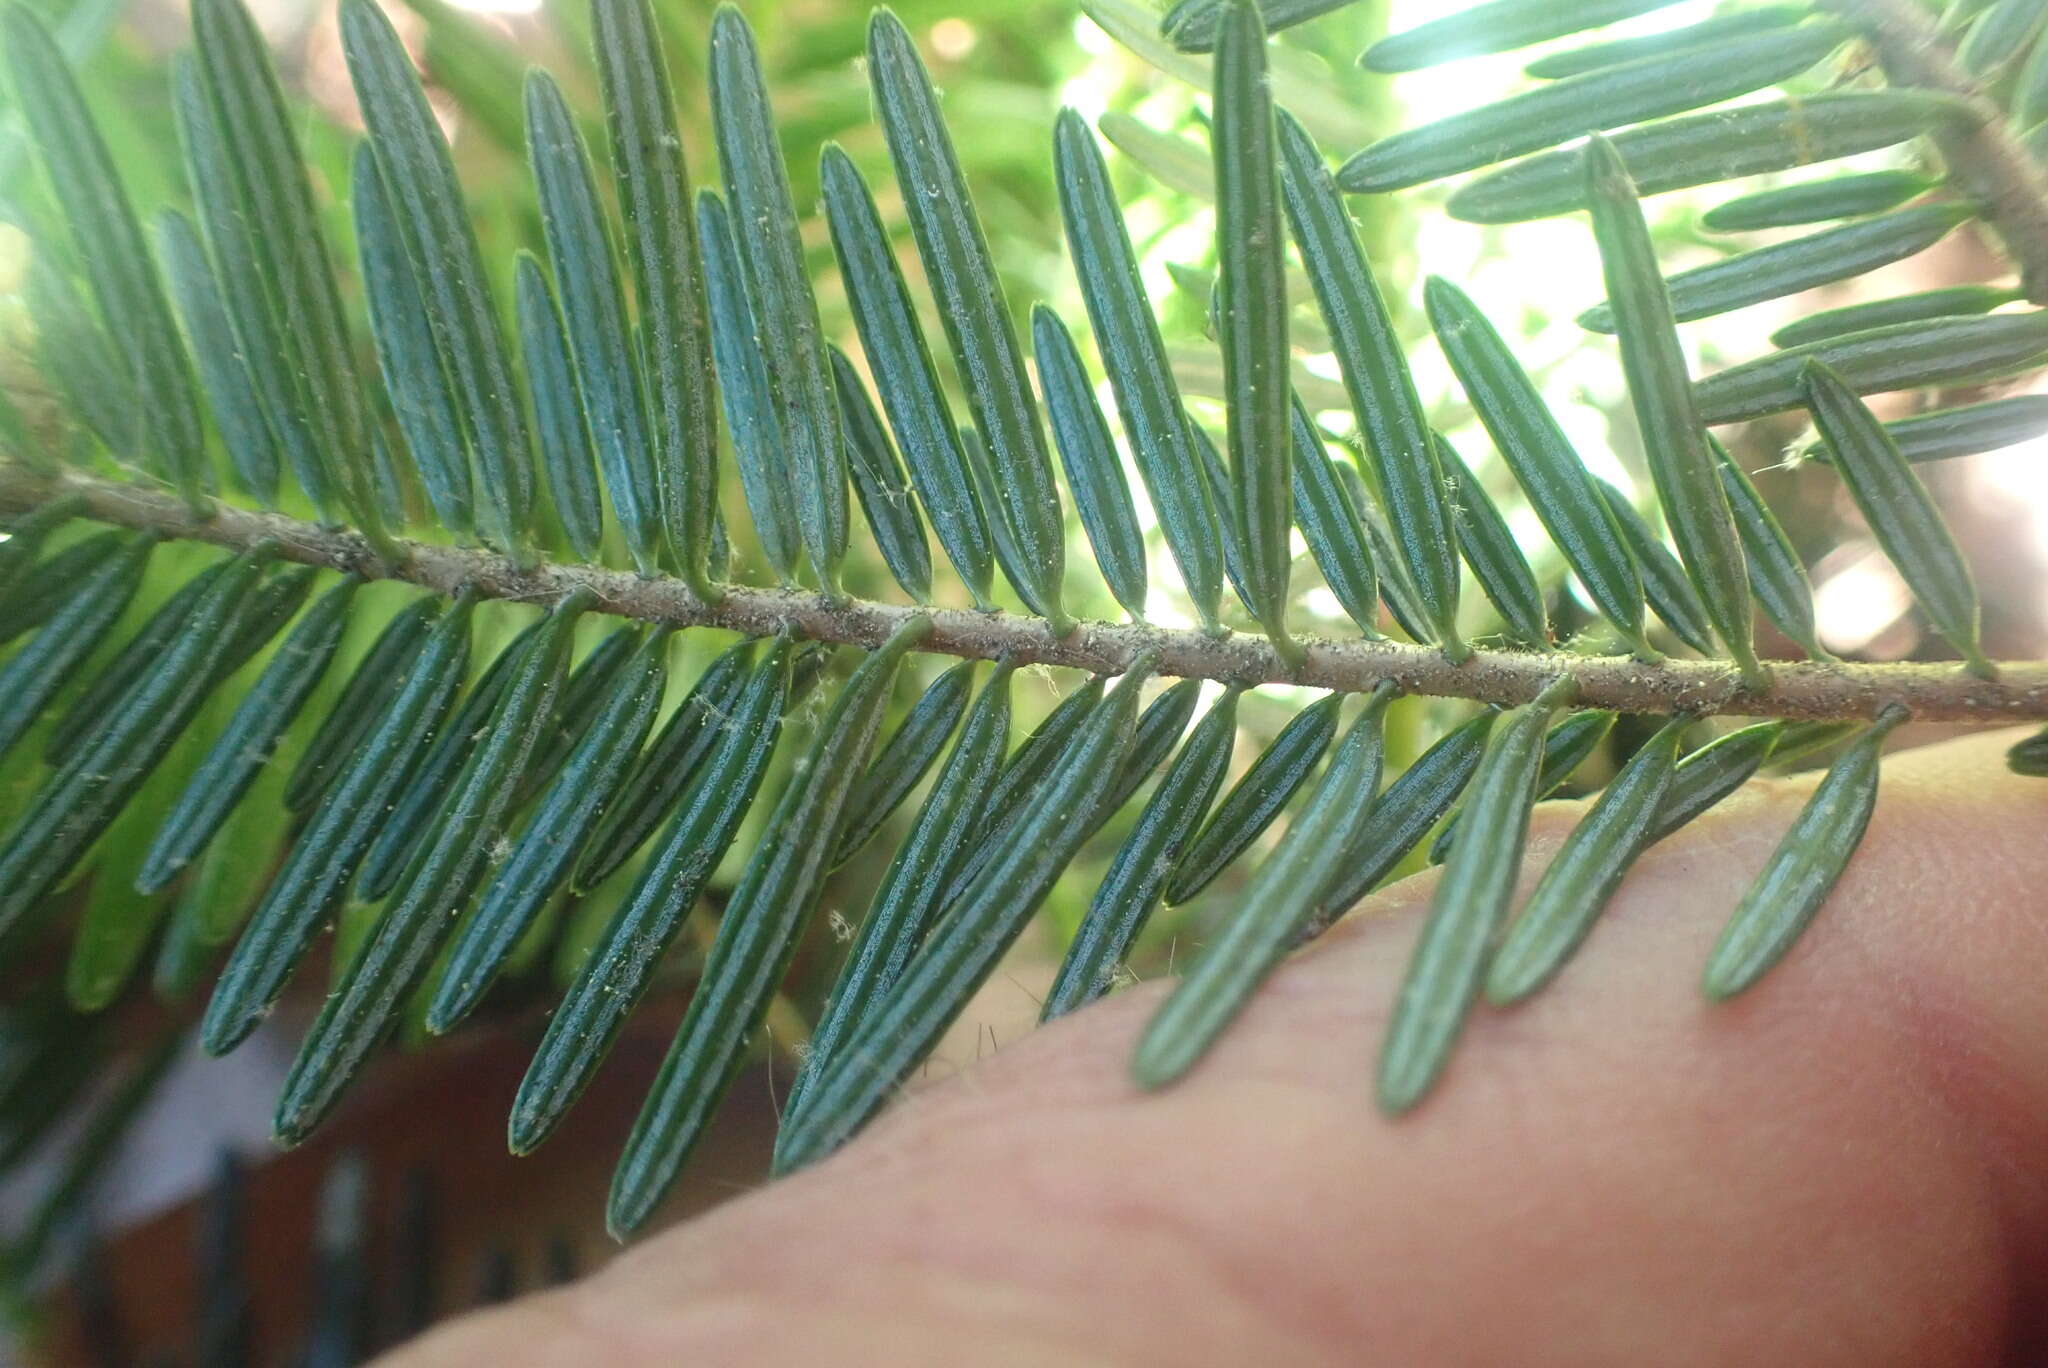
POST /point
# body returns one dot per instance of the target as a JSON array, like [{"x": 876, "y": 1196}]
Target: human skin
[{"x": 1846, "y": 1165}]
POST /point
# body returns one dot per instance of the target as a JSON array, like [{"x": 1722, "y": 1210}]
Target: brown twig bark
[{"x": 1805, "y": 690}]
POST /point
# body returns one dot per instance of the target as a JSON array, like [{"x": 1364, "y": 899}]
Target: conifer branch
[
  {"x": 1988, "y": 162},
  {"x": 1931, "y": 692}
]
